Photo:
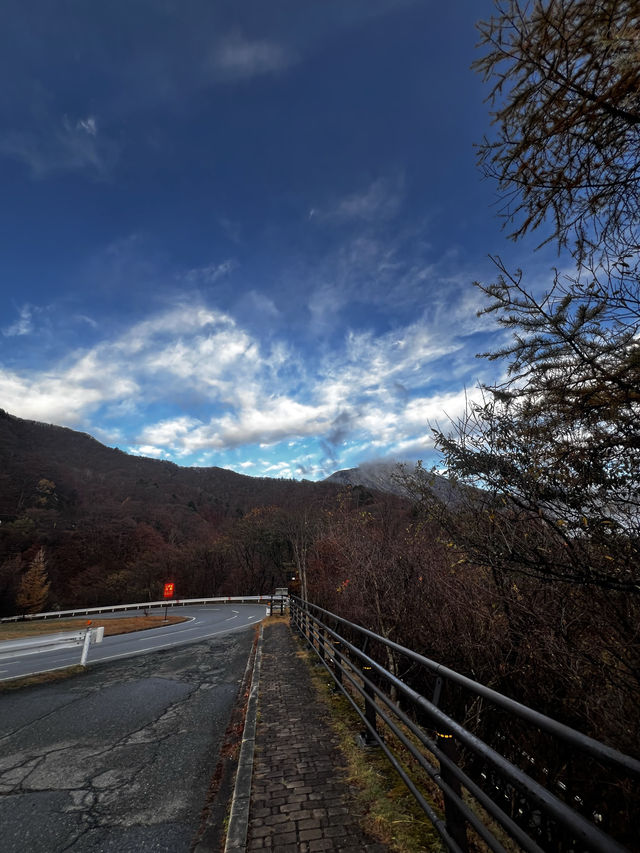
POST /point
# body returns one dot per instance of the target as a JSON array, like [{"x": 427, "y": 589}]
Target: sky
[{"x": 245, "y": 233}]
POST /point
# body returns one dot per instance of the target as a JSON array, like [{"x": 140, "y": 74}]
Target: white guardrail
[
  {"x": 149, "y": 605},
  {"x": 52, "y": 642},
  {"x": 87, "y": 636}
]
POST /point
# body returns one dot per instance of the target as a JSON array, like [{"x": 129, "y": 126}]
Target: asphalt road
[
  {"x": 204, "y": 623},
  {"x": 120, "y": 758}
]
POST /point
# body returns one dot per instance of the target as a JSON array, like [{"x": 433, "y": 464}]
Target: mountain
[
  {"x": 85, "y": 471},
  {"x": 113, "y": 526},
  {"x": 388, "y": 477}
]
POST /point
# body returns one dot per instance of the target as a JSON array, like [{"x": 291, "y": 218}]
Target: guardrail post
[{"x": 85, "y": 647}]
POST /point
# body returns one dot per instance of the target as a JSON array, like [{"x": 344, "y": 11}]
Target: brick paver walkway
[{"x": 300, "y": 801}]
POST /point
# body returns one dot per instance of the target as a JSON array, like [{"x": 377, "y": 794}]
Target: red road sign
[{"x": 169, "y": 590}]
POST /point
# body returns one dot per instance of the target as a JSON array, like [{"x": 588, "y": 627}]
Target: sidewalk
[{"x": 300, "y": 800}]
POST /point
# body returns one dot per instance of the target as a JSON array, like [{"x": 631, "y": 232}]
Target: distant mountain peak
[
  {"x": 387, "y": 476},
  {"x": 381, "y": 476}
]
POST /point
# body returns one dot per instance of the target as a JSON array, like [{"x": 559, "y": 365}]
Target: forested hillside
[{"x": 114, "y": 526}]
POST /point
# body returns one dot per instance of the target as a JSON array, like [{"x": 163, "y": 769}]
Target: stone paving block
[
  {"x": 309, "y": 834},
  {"x": 287, "y": 837},
  {"x": 300, "y": 800},
  {"x": 309, "y": 823},
  {"x": 321, "y": 844}
]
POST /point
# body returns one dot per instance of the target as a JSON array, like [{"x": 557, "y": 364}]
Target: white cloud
[
  {"x": 149, "y": 450},
  {"x": 170, "y": 431},
  {"x": 63, "y": 398},
  {"x": 278, "y": 466},
  {"x": 373, "y": 388}
]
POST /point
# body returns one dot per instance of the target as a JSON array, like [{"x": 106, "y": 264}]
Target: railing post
[
  {"x": 454, "y": 819},
  {"x": 337, "y": 662},
  {"x": 368, "y": 736},
  {"x": 321, "y": 636}
]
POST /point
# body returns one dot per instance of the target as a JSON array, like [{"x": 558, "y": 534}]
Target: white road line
[{"x": 167, "y": 646}]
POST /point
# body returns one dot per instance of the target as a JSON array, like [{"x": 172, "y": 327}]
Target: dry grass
[
  {"x": 112, "y": 626},
  {"x": 275, "y": 619},
  {"x": 391, "y": 813},
  {"x": 41, "y": 678}
]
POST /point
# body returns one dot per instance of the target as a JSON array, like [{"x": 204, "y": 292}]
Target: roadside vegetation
[
  {"x": 389, "y": 811},
  {"x": 117, "y": 625}
]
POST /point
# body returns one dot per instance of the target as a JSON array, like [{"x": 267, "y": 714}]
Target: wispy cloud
[
  {"x": 210, "y": 273},
  {"x": 256, "y": 394},
  {"x": 62, "y": 145},
  {"x": 377, "y": 202},
  {"x": 237, "y": 57},
  {"x": 88, "y": 125},
  {"x": 23, "y": 325}
]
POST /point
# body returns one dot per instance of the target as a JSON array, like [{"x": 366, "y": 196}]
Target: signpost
[{"x": 169, "y": 590}]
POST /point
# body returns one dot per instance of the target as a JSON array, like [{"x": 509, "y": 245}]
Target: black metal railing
[{"x": 478, "y": 763}]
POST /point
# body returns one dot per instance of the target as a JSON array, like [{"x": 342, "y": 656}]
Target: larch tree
[
  {"x": 565, "y": 87},
  {"x": 555, "y": 448},
  {"x": 34, "y": 586}
]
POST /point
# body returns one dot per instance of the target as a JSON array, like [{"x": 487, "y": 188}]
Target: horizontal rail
[
  {"x": 11, "y": 649},
  {"x": 554, "y": 727},
  {"x": 502, "y": 794},
  {"x": 33, "y": 645},
  {"x": 147, "y": 605}
]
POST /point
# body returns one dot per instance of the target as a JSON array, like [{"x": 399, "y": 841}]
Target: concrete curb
[{"x": 239, "y": 819}]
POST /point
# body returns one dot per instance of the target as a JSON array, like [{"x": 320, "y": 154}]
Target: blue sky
[{"x": 245, "y": 233}]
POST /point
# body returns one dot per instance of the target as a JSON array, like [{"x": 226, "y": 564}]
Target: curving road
[
  {"x": 205, "y": 622},
  {"x": 129, "y": 756}
]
